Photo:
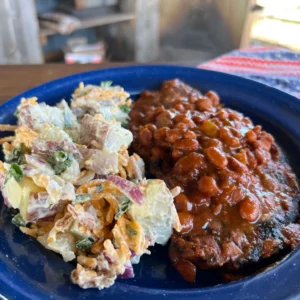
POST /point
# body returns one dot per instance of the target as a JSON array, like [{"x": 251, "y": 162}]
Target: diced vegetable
[
  {"x": 102, "y": 162},
  {"x": 19, "y": 221},
  {"x": 130, "y": 231},
  {"x": 108, "y": 134},
  {"x": 39, "y": 207},
  {"x": 99, "y": 188},
  {"x": 17, "y": 155},
  {"x": 157, "y": 214},
  {"x": 106, "y": 84},
  {"x": 124, "y": 204},
  {"x": 125, "y": 108},
  {"x": 128, "y": 273},
  {"x": 81, "y": 198},
  {"x": 60, "y": 161},
  {"x": 39, "y": 166},
  {"x": 130, "y": 189},
  {"x": 85, "y": 244},
  {"x": 16, "y": 172},
  {"x": 16, "y": 114}
]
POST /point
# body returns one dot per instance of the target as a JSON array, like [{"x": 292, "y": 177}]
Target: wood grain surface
[{"x": 15, "y": 79}]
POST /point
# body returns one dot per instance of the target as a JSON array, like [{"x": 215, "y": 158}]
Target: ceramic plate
[{"x": 28, "y": 271}]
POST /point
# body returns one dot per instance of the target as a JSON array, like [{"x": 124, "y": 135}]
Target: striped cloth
[{"x": 276, "y": 67}]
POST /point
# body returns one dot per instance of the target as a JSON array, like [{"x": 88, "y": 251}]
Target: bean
[
  {"x": 235, "y": 116},
  {"x": 186, "y": 269},
  {"x": 237, "y": 166},
  {"x": 269, "y": 183},
  {"x": 174, "y": 135},
  {"x": 217, "y": 157},
  {"x": 252, "y": 161},
  {"x": 146, "y": 137},
  {"x": 182, "y": 203},
  {"x": 275, "y": 153},
  {"x": 151, "y": 127},
  {"x": 242, "y": 156},
  {"x": 186, "y": 145},
  {"x": 225, "y": 197},
  {"x": 177, "y": 153},
  {"x": 257, "y": 129},
  {"x": 214, "y": 97},
  {"x": 250, "y": 209},
  {"x": 164, "y": 120},
  {"x": 160, "y": 134},
  {"x": 190, "y": 135},
  {"x": 178, "y": 118},
  {"x": 179, "y": 107},
  {"x": 208, "y": 186},
  {"x": 222, "y": 114},
  {"x": 225, "y": 134},
  {"x": 235, "y": 132},
  {"x": 211, "y": 143},
  {"x": 237, "y": 195},
  {"x": 251, "y": 136},
  {"x": 217, "y": 209},
  {"x": 187, "y": 221},
  {"x": 262, "y": 156},
  {"x": 204, "y": 104}
]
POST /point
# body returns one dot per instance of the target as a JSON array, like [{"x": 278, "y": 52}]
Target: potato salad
[{"x": 73, "y": 185}]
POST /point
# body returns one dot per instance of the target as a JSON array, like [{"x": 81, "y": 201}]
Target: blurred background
[{"x": 186, "y": 32}]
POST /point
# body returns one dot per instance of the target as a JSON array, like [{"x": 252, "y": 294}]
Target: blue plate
[{"x": 28, "y": 271}]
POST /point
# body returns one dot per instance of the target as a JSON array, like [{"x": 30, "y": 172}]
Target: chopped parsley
[
  {"x": 60, "y": 161},
  {"x": 19, "y": 221},
  {"x": 125, "y": 108},
  {"x": 17, "y": 155},
  {"x": 106, "y": 84},
  {"x": 85, "y": 243},
  {"x": 16, "y": 114},
  {"x": 114, "y": 242},
  {"x": 16, "y": 172},
  {"x": 124, "y": 204},
  {"x": 81, "y": 198},
  {"x": 130, "y": 231},
  {"x": 99, "y": 188}
]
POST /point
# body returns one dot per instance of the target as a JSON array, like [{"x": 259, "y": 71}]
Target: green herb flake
[
  {"x": 85, "y": 244},
  {"x": 60, "y": 161},
  {"x": 124, "y": 124},
  {"x": 81, "y": 198},
  {"x": 125, "y": 108},
  {"x": 16, "y": 172},
  {"x": 99, "y": 188},
  {"x": 106, "y": 84},
  {"x": 130, "y": 231},
  {"x": 19, "y": 221},
  {"x": 114, "y": 242},
  {"x": 124, "y": 204},
  {"x": 16, "y": 114},
  {"x": 17, "y": 155}
]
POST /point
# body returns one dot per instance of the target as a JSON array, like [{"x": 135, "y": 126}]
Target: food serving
[
  {"x": 239, "y": 197},
  {"x": 75, "y": 188},
  {"x": 75, "y": 177}
]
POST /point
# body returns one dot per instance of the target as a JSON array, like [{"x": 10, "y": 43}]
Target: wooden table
[{"x": 16, "y": 79}]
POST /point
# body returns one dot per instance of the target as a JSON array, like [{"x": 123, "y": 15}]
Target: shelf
[{"x": 93, "y": 22}]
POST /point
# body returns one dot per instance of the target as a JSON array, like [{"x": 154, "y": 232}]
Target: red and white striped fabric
[{"x": 277, "y": 67}]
